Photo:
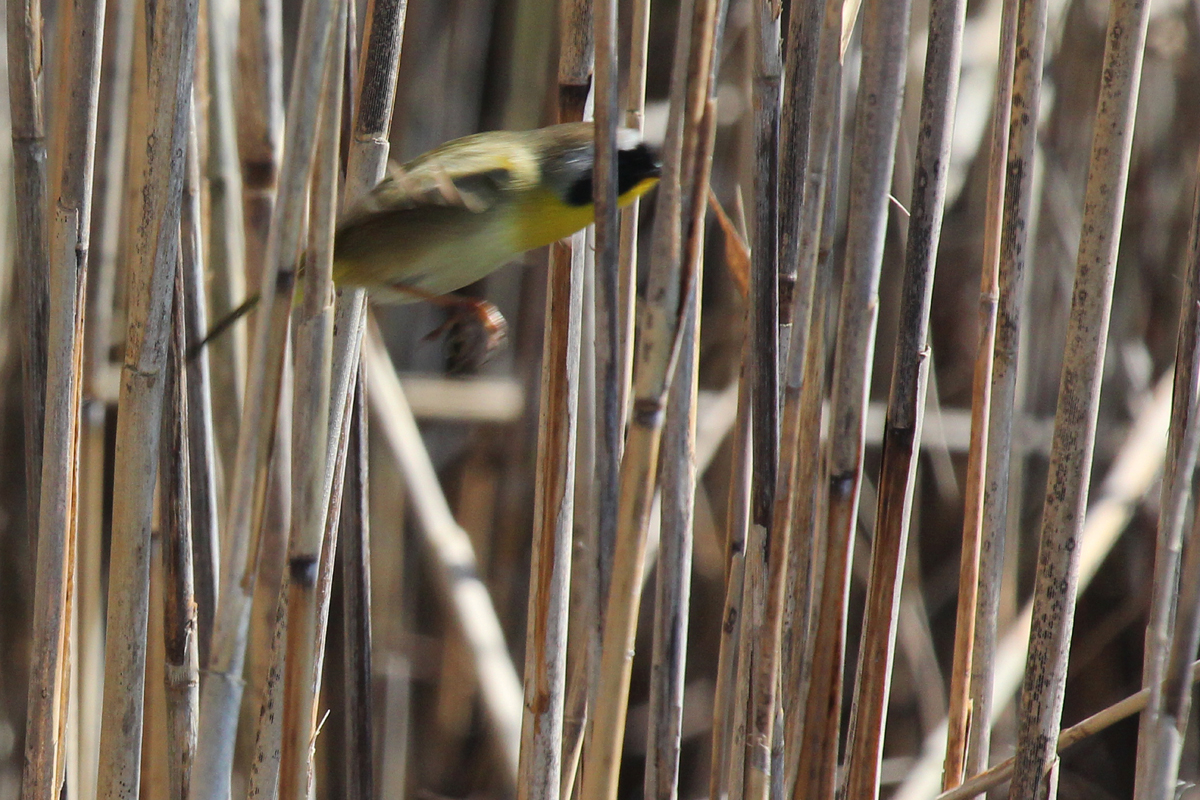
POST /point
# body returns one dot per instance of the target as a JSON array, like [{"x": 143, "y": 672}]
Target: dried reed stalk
[
  {"x": 906, "y": 404},
  {"x": 885, "y": 37},
  {"x": 540, "y": 772},
  {"x": 32, "y": 265},
  {"x": 1165, "y": 748},
  {"x": 452, "y": 560},
  {"x": 971, "y": 675},
  {"x": 107, "y": 219},
  {"x": 225, "y": 249},
  {"x": 158, "y": 143},
  {"x": 1039, "y": 716},
  {"x": 796, "y": 513},
  {"x": 221, "y": 693},
  {"x": 680, "y": 468},
  {"x": 1015, "y": 223},
  {"x": 766, "y": 554},
  {"x": 259, "y": 110},
  {"x": 202, "y": 461},
  {"x": 182, "y": 663},
  {"x": 1175, "y": 496},
  {"x": 260, "y": 124},
  {"x": 356, "y": 609},
  {"x": 367, "y": 156},
  {"x": 313, "y": 353},
  {"x": 669, "y": 283},
  {"x": 613, "y": 342},
  {"x": 635, "y": 117},
  {"x": 1133, "y": 470},
  {"x": 725, "y": 769},
  {"x": 807, "y": 554},
  {"x": 1094, "y": 724},
  {"x": 673, "y": 584},
  {"x": 57, "y": 379},
  {"x": 800, "y": 64}
]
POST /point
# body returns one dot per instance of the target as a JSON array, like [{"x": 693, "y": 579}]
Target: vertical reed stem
[
  {"x": 885, "y": 37},
  {"x": 968, "y": 736},
  {"x": 906, "y": 404},
  {"x": 1040, "y": 710},
  {"x": 158, "y": 144},
  {"x": 73, "y": 147},
  {"x": 182, "y": 665}
]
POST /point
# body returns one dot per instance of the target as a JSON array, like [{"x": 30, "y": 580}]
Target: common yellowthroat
[{"x": 460, "y": 211}]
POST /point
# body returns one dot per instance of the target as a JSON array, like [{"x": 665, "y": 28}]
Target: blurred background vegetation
[{"x": 471, "y": 65}]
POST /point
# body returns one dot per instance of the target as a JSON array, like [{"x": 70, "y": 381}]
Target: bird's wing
[{"x": 474, "y": 187}]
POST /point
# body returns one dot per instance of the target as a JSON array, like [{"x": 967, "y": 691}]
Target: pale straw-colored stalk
[
  {"x": 681, "y": 465},
  {"x": 1176, "y": 495},
  {"x": 312, "y": 338},
  {"x": 967, "y": 744},
  {"x": 222, "y": 690},
  {"x": 1015, "y": 219},
  {"x": 72, "y": 148},
  {"x": 225, "y": 249},
  {"x": 367, "y": 157},
  {"x": 1040, "y": 710},
  {"x": 157, "y": 160},
  {"x": 885, "y": 37},
  {"x": 99, "y": 390},
  {"x": 540, "y": 772},
  {"x": 202, "y": 461},
  {"x": 669, "y": 282},
  {"x": 906, "y": 404}
]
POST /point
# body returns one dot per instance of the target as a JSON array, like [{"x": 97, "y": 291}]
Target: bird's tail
[{"x": 223, "y": 325}]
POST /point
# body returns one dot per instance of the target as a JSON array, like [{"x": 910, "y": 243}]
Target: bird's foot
[{"x": 473, "y": 328}]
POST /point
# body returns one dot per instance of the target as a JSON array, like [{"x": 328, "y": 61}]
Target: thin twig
[{"x": 1094, "y": 724}]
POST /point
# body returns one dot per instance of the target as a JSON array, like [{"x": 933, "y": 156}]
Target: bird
[{"x": 457, "y": 213}]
